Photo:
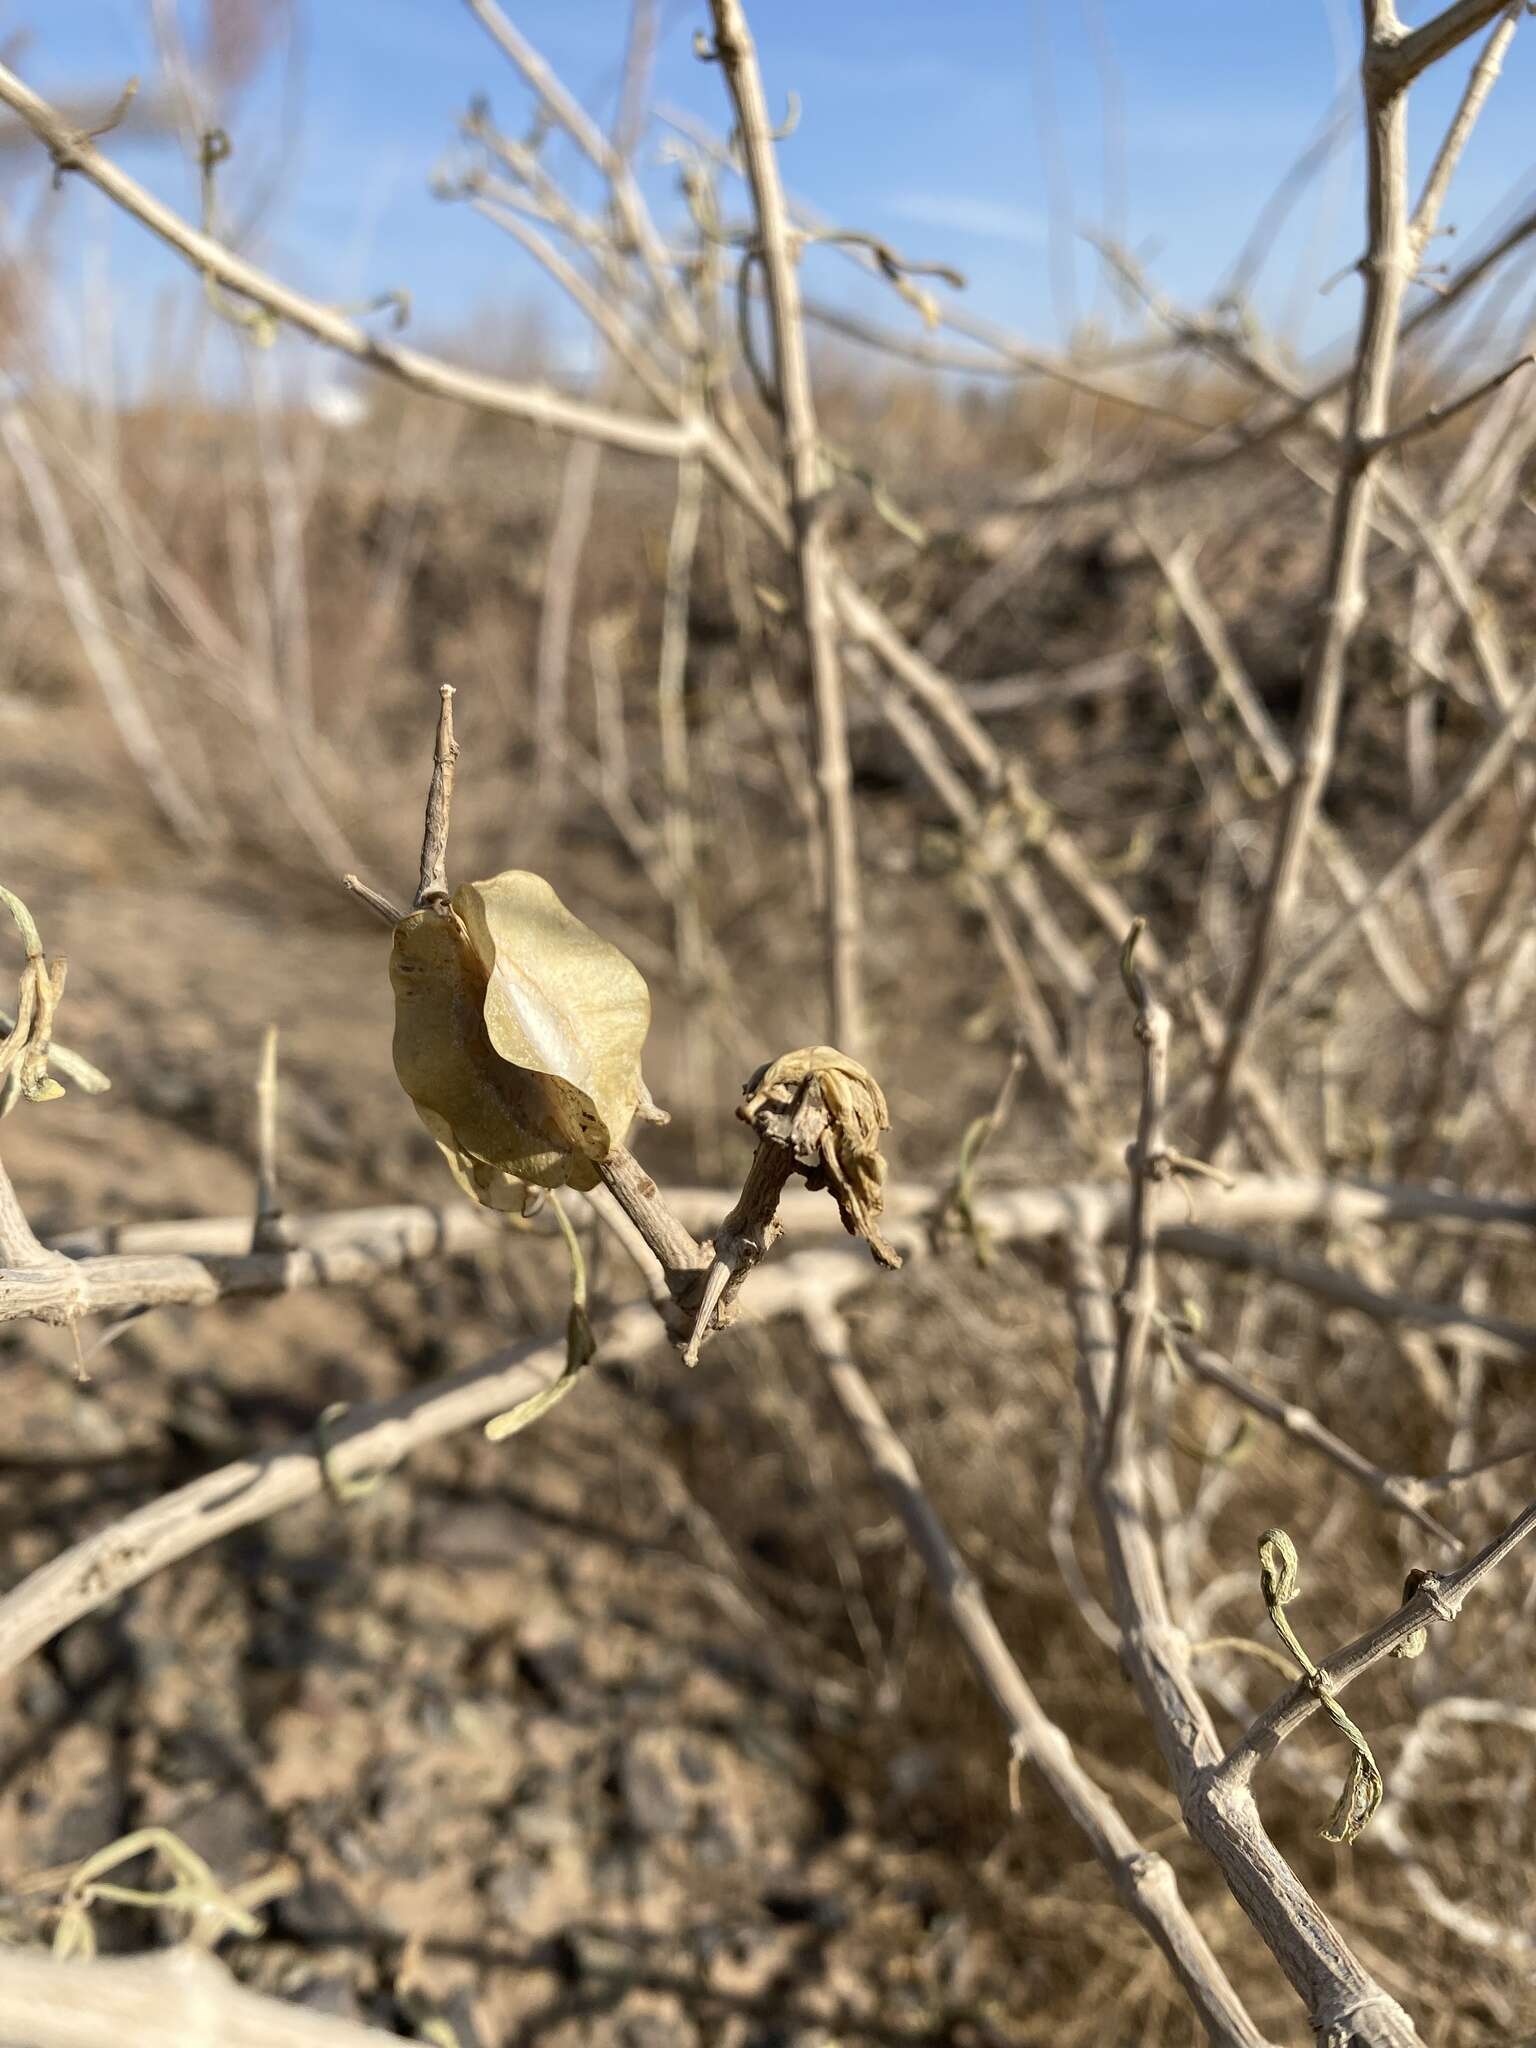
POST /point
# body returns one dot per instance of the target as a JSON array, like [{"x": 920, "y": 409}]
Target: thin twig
[
  {"x": 1387, "y": 267},
  {"x": 1303, "y": 1427},
  {"x": 270, "y": 1232},
  {"x": 1222, "y": 1816},
  {"x": 379, "y": 905},
  {"x": 433, "y": 887},
  {"x": 136, "y": 728},
  {"x": 1150, "y": 1167},
  {"x": 532, "y": 403},
  {"x": 1439, "y": 1597},
  {"x": 611, "y": 158},
  {"x": 804, "y": 471},
  {"x": 1458, "y": 133},
  {"x": 1436, "y": 416}
]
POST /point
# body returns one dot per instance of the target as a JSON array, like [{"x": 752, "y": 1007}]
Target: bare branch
[
  {"x": 678, "y": 837},
  {"x": 1439, "y": 1597},
  {"x": 19, "y": 1244},
  {"x": 367, "y": 1440},
  {"x": 1461, "y": 796},
  {"x": 1178, "y": 569},
  {"x": 141, "y": 1265},
  {"x": 1437, "y": 416},
  {"x": 1427, "y": 213},
  {"x": 1388, "y": 265},
  {"x": 1331, "y": 1980},
  {"x": 611, "y": 158},
  {"x": 349, "y": 1249},
  {"x": 804, "y": 470},
  {"x": 1144, "y": 1882},
  {"x": 1303, "y": 1427},
  {"x": 539, "y": 407},
  {"x": 1150, "y": 1166},
  {"x": 176, "y": 1998},
  {"x": 1395, "y": 60},
  {"x": 639, "y": 1197},
  {"x": 557, "y": 608},
  {"x": 135, "y": 726},
  {"x": 1494, "y": 1336},
  {"x": 859, "y": 616}
]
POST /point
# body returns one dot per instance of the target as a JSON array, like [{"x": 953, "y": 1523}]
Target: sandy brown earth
[
  {"x": 529, "y": 1737},
  {"x": 639, "y": 1730}
]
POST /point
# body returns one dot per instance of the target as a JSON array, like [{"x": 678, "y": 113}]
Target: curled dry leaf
[
  {"x": 828, "y": 1111},
  {"x": 518, "y": 1034}
]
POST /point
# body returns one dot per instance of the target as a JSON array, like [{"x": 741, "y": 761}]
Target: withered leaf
[
  {"x": 561, "y": 1001},
  {"x": 518, "y": 1034}
]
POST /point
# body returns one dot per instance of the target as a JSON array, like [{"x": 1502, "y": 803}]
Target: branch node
[
  {"x": 345, "y": 1492},
  {"x": 65, "y": 154}
]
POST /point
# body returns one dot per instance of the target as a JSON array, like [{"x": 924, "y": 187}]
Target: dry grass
[
  {"x": 384, "y": 1698},
  {"x": 176, "y": 969}
]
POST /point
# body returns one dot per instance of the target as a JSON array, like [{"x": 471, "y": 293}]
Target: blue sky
[{"x": 960, "y": 130}]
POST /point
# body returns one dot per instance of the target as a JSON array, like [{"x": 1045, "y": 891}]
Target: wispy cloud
[
  {"x": 959, "y": 213},
  {"x": 1220, "y": 131}
]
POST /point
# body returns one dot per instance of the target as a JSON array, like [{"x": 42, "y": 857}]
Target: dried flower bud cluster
[{"x": 828, "y": 1113}]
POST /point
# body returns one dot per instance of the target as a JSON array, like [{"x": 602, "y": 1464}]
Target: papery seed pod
[{"x": 518, "y": 1034}]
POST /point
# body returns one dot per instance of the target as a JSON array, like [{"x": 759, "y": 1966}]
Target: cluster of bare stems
[{"x": 705, "y": 344}]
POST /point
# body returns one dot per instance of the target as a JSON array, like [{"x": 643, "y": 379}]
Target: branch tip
[
  {"x": 379, "y": 905},
  {"x": 433, "y": 887}
]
